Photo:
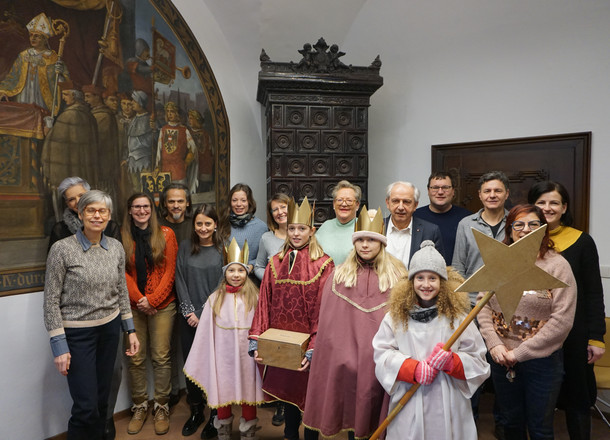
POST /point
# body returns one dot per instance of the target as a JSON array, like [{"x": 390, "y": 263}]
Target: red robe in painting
[{"x": 290, "y": 300}]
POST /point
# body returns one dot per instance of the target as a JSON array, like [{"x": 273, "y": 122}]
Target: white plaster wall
[{"x": 473, "y": 70}]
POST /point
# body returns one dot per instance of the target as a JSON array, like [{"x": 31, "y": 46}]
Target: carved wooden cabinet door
[{"x": 316, "y": 129}]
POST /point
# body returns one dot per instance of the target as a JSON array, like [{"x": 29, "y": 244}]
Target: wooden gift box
[{"x": 283, "y": 348}]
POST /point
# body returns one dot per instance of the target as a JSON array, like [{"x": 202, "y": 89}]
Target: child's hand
[
  {"x": 439, "y": 359},
  {"x": 424, "y": 373},
  {"x": 256, "y": 358},
  {"x": 305, "y": 365}
]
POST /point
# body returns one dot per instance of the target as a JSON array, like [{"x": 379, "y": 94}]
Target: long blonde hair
[
  {"x": 315, "y": 250},
  {"x": 249, "y": 292},
  {"x": 157, "y": 238},
  {"x": 388, "y": 268},
  {"x": 450, "y": 303}
]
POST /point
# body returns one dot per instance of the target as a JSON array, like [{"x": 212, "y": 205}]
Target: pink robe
[
  {"x": 218, "y": 361},
  {"x": 343, "y": 392}
]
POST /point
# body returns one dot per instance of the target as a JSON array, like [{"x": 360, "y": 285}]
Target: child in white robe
[{"x": 424, "y": 313}]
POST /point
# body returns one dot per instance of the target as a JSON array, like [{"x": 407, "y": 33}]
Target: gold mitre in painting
[
  {"x": 232, "y": 254},
  {"x": 369, "y": 227},
  {"x": 301, "y": 214}
]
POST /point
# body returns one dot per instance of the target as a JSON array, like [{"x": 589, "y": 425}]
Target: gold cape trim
[
  {"x": 302, "y": 283},
  {"x": 358, "y": 306}
]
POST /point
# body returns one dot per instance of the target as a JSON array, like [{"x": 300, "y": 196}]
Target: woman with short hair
[{"x": 85, "y": 306}]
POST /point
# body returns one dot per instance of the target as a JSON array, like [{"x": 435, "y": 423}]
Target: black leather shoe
[
  {"x": 278, "y": 417},
  {"x": 194, "y": 421},
  {"x": 209, "y": 432},
  {"x": 109, "y": 430}
]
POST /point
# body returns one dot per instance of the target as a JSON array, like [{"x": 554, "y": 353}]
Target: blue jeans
[
  {"x": 93, "y": 351},
  {"x": 528, "y": 403}
]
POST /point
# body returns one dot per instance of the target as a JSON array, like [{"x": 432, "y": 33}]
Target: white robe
[{"x": 442, "y": 409}]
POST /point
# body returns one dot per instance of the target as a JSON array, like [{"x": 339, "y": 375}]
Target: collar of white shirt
[{"x": 393, "y": 228}]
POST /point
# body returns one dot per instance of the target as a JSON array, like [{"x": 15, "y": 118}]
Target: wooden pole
[{"x": 454, "y": 337}]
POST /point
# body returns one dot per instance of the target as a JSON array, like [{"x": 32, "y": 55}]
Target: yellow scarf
[{"x": 564, "y": 237}]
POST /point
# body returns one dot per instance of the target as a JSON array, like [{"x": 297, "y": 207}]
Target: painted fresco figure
[
  {"x": 140, "y": 139},
  {"x": 176, "y": 150},
  {"x": 205, "y": 151},
  {"x": 139, "y": 70},
  {"x": 33, "y": 74},
  {"x": 70, "y": 148}
]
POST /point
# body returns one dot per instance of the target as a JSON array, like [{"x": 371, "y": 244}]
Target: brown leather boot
[
  {"x": 161, "y": 419},
  {"x": 140, "y": 412}
]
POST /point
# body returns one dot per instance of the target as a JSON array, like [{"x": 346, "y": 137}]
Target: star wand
[{"x": 507, "y": 272}]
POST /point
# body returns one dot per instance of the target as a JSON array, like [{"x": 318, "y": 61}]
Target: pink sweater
[{"x": 542, "y": 320}]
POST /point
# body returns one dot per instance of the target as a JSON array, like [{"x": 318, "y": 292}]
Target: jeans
[
  {"x": 93, "y": 351},
  {"x": 528, "y": 403},
  {"x": 155, "y": 334}
]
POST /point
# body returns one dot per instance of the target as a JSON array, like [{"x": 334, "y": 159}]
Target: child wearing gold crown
[
  {"x": 424, "y": 311},
  {"x": 218, "y": 360},
  {"x": 348, "y": 396},
  {"x": 290, "y": 300}
]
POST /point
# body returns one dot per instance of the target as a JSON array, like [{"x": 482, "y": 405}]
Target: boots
[
  {"x": 161, "y": 419},
  {"x": 224, "y": 427},
  {"x": 278, "y": 417},
  {"x": 209, "y": 431},
  {"x": 140, "y": 412},
  {"x": 194, "y": 421},
  {"x": 247, "y": 430}
]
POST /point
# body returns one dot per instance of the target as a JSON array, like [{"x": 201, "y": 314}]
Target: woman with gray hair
[
  {"x": 71, "y": 189},
  {"x": 86, "y": 304},
  {"x": 335, "y": 235}
]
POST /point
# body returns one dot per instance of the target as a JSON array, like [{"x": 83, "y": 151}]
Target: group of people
[{"x": 376, "y": 296}]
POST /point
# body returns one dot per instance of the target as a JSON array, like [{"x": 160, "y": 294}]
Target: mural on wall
[{"x": 117, "y": 92}]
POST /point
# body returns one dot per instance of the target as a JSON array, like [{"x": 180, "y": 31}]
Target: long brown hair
[
  {"x": 450, "y": 303},
  {"x": 157, "y": 239},
  {"x": 225, "y": 226},
  {"x": 525, "y": 209},
  {"x": 278, "y": 198},
  {"x": 208, "y": 211}
]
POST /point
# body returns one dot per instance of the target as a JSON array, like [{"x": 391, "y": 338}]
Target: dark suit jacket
[{"x": 422, "y": 230}]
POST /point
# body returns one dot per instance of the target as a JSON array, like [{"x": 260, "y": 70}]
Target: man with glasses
[
  {"x": 441, "y": 211},
  {"x": 335, "y": 235},
  {"x": 405, "y": 233}
]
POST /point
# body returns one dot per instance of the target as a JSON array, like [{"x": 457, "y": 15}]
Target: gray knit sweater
[{"x": 84, "y": 287}]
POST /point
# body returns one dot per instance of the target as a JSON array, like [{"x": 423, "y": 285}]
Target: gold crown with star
[
  {"x": 232, "y": 253},
  {"x": 302, "y": 214},
  {"x": 366, "y": 223}
]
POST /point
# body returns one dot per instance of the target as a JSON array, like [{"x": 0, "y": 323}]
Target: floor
[{"x": 180, "y": 413}]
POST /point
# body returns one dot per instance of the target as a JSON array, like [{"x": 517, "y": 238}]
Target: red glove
[
  {"x": 440, "y": 359},
  {"x": 424, "y": 373}
]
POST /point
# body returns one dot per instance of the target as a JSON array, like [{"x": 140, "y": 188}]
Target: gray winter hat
[{"x": 427, "y": 258}]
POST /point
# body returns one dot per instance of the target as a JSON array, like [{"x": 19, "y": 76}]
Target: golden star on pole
[{"x": 509, "y": 270}]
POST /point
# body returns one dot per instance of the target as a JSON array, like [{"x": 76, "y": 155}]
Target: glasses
[
  {"x": 138, "y": 207},
  {"x": 348, "y": 202},
  {"x": 533, "y": 225},
  {"x": 103, "y": 212},
  {"x": 437, "y": 188}
]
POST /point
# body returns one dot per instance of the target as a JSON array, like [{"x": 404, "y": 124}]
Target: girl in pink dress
[{"x": 218, "y": 361}]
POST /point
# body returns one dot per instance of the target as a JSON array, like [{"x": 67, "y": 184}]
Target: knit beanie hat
[{"x": 427, "y": 258}]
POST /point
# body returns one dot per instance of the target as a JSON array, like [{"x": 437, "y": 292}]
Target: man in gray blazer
[{"x": 406, "y": 233}]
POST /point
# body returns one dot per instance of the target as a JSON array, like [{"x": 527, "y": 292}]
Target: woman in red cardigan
[{"x": 150, "y": 255}]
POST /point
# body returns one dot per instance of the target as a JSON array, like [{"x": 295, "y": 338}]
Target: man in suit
[{"x": 405, "y": 233}]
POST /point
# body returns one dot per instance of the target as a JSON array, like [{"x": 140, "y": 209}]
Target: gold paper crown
[
  {"x": 300, "y": 214},
  {"x": 364, "y": 222},
  {"x": 232, "y": 254}
]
